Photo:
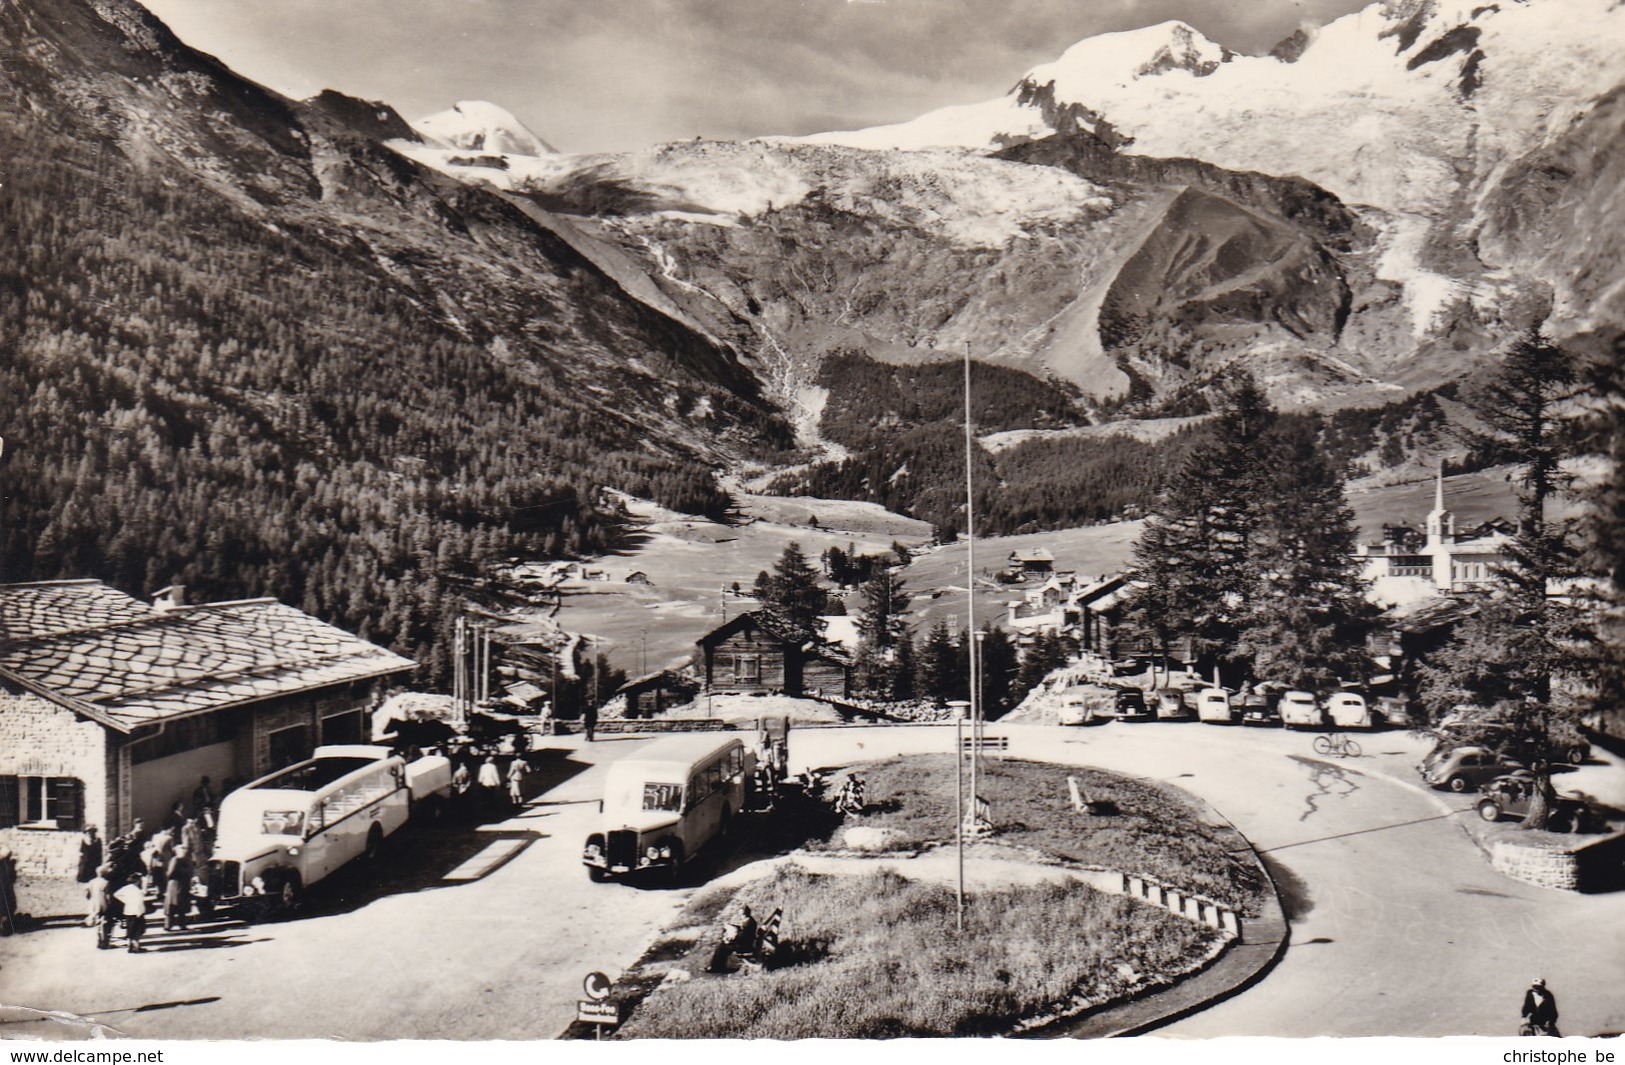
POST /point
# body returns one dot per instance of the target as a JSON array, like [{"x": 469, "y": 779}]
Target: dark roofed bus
[{"x": 666, "y": 802}]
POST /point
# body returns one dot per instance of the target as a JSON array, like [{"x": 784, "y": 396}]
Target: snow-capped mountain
[{"x": 480, "y": 126}]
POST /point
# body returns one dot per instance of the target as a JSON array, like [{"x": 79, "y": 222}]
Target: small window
[
  {"x": 748, "y": 667},
  {"x": 42, "y": 802}
]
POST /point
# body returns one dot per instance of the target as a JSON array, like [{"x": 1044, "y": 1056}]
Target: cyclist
[{"x": 1539, "y": 1010}]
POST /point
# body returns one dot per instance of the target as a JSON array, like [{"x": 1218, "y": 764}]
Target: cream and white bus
[
  {"x": 285, "y": 832},
  {"x": 667, "y": 801}
]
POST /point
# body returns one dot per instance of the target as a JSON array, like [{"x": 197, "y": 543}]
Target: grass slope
[{"x": 879, "y": 957}]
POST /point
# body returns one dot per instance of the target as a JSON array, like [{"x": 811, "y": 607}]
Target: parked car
[
  {"x": 1256, "y": 709},
  {"x": 1298, "y": 710},
  {"x": 1346, "y": 709},
  {"x": 1076, "y": 709},
  {"x": 1508, "y": 797},
  {"x": 1213, "y": 706},
  {"x": 1131, "y": 706},
  {"x": 1466, "y": 768},
  {"x": 1395, "y": 711},
  {"x": 1172, "y": 706},
  {"x": 1564, "y": 744}
]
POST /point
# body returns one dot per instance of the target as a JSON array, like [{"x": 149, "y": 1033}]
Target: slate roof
[
  {"x": 44, "y": 607},
  {"x": 129, "y": 665}
]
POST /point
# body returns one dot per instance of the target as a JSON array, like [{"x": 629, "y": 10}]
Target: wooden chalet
[{"x": 759, "y": 652}]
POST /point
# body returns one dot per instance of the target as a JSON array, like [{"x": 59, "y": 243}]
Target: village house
[
  {"x": 1410, "y": 567},
  {"x": 112, "y": 709},
  {"x": 758, "y": 652},
  {"x": 653, "y": 693},
  {"x": 1036, "y": 564}
]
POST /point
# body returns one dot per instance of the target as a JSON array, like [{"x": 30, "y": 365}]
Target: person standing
[
  {"x": 90, "y": 855},
  {"x": 8, "y": 893},
  {"x": 192, "y": 840},
  {"x": 490, "y": 782},
  {"x": 178, "y": 889},
  {"x": 589, "y": 719},
  {"x": 202, "y": 799},
  {"x": 132, "y": 900},
  {"x": 100, "y": 902},
  {"x": 516, "y": 781},
  {"x": 1540, "y": 1009}
]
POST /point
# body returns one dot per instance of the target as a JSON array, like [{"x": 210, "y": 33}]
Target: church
[{"x": 1412, "y": 567}]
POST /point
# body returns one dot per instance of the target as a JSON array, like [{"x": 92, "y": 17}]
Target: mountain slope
[{"x": 250, "y": 349}]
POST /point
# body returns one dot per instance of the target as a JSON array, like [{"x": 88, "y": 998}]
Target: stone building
[
  {"x": 757, "y": 652},
  {"x": 111, "y": 709}
]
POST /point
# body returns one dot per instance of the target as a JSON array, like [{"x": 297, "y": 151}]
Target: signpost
[{"x": 596, "y": 1009}]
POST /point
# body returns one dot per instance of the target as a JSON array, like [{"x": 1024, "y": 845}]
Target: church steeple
[{"x": 1441, "y": 523}]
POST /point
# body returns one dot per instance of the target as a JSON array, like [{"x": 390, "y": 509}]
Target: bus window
[
  {"x": 667, "y": 797},
  {"x": 282, "y": 822}
]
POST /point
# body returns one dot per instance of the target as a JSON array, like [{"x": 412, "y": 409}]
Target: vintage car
[
  {"x": 1467, "y": 768},
  {"x": 1507, "y": 798},
  {"x": 1131, "y": 706}
]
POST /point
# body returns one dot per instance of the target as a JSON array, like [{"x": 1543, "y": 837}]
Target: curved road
[{"x": 1398, "y": 925}]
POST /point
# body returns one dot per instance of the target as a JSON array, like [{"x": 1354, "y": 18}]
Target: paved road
[
  {"x": 438, "y": 944},
  {"x": 1398, "y": 926}
]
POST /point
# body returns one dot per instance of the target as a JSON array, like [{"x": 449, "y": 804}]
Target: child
[{"x": 133, "y": 899}]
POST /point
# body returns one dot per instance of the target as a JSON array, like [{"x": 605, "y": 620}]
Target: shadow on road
[{"x": 1296, "y": 902}]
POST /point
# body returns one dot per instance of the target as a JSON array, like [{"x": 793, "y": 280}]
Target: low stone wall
[
  {"x": 1194, "y": 908},
  {"x": 1594, "y": 864}
]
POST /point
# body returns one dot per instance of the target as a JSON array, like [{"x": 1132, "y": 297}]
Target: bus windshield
[
  {"x": 282, "y": 822},
  {"x": 667, "y": 797}
]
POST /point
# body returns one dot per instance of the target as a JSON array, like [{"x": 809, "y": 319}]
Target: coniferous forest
[{"x": 296, "y": 366}]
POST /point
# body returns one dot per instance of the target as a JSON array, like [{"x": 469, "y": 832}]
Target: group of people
[
  {"x": 170, "y": 865},
  {"x": 489, "y": 782}
]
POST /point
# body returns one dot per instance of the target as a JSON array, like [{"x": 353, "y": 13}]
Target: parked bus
[
  {"x": 666, "y": 802},
  {"x": 285, "y": 832},
  {"x": 1299, "y": 710},
  {"x": 1076, "y": 708},
  {"x": 1213, "y": 706}
]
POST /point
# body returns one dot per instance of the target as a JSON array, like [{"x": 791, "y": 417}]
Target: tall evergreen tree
[
  {"x": 997, "y": 667},
  {"x": 1194, "y": 568},
  {"x": 883, "y": 630},
  {"x": 792, "y": 590},
  {"x": 940, "y": 671},
  {"x": 1528, "y": 632},
  {"x": 1308, "y": 619},
  {"x": 1603, "y": 533}
]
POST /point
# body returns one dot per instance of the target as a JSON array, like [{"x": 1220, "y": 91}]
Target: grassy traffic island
[{"x": 869, "y": 946}]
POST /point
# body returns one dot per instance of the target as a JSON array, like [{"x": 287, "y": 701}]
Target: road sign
[
  {"x": 592, "y": 1011},
  {"x": 596, "y": 985}
]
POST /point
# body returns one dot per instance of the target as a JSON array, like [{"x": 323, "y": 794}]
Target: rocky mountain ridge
[{"x": 1368, "y": 211}]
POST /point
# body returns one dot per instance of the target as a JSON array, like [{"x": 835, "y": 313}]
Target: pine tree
[
  {"x": 792, "y": 590},
  {"x": 1603, "y": 534},
  {"x": 1505, "y": 659},
  {"x": 997, "y": 668},
  {"x": 940, "y": 673},
  {"x": 1309, "y": 617},
  {"x": 1194, "y": 567}
]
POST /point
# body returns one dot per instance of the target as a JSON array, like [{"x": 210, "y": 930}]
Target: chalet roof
[
  {"x": 660, "y": 678},
  {"x": 1037, "y": 554},
  {"x": 1101, "y": 595},
  {"x": 128, "y": 665},
  {"x": 1431, "y": 615},
  {"x": 778, "y": 628},
  {"x": 40, "y": 608}
]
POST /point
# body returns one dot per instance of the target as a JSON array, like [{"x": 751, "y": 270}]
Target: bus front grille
[
  {"x": 622, "y": 848},
  {"x": 231, "y": 879}
]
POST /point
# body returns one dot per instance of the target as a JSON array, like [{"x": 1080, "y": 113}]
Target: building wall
[
  {"x": 38, "y": 738},
  {"x": 725, "y": 670},
  {"x": 822, "y": 675},
  {"x": 155, "y": 785}
]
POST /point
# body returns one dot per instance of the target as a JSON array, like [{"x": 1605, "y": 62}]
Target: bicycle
[{"x": 1341, "y": 746}]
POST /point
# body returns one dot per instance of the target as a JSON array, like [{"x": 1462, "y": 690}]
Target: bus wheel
[
  {"x": 674, "y": 871},
  {"x": 287, "y": 899},
  {"x": 375, "y": 842},
  {"x": 596, "y": 874}
]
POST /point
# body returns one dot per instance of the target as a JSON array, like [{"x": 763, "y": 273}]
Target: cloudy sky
[{"x": 606, "y": 75}]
